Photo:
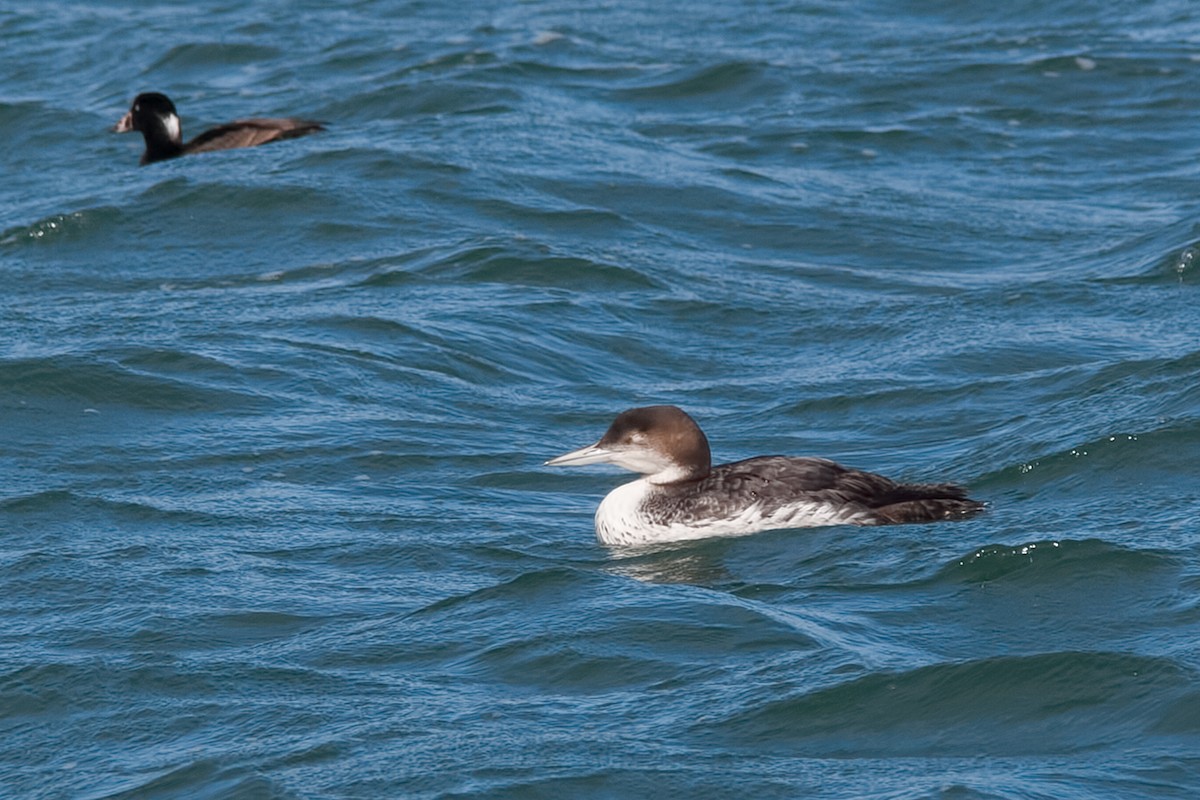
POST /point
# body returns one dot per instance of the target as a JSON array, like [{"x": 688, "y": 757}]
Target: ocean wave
[
  {"x": 494, "y": 263},
  {"x": 1060, "y": 702},
  {"x": 728, "y": 83},
  {"x": 1053, "y": 561},
  {"x": 74, "y": 226},
  {"x": 163, "y": 380}
]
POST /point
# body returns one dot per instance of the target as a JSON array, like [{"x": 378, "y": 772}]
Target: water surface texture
[{"x": 273, "y": 516}]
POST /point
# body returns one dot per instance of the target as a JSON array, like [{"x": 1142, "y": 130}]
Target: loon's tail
[{"x": 925, "y": 502}]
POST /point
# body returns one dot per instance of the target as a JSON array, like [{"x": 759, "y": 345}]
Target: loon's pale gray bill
[{"x": 592, "y": 454}]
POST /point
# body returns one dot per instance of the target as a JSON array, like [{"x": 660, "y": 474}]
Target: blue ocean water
[{"x": 273, "y": 520}]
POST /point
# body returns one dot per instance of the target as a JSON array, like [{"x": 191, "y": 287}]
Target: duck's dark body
[{"x": 154, "y": 115}]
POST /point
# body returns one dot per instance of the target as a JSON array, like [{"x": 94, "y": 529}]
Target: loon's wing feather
[
  {"x": 777, "y": 481},
  {"x": 778, "y": 477}
]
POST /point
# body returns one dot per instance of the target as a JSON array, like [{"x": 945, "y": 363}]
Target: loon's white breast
[
  {"x": 681, "y": 495},
  {"x": 639, "y": 512}
]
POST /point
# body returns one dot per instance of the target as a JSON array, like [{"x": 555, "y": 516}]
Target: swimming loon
[{"x": 682, "y": 496}]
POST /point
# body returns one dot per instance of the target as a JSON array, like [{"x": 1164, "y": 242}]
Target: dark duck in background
[{"x": 154, "y": 115}]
